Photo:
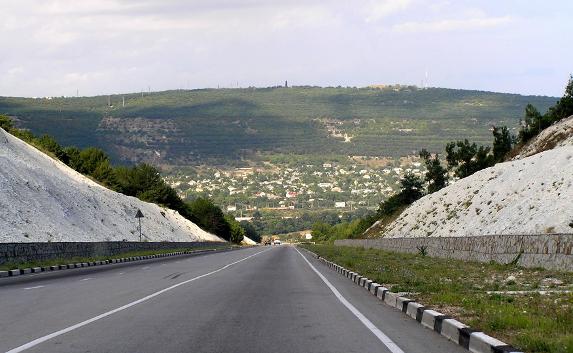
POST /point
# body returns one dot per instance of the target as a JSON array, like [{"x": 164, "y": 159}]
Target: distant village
[{"x": 360, "y": 182}]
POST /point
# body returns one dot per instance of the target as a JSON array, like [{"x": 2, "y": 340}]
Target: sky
[{"x": 92, "y": 47}]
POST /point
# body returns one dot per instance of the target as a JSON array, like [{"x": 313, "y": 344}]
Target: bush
[
  {"x": 49, "y": 144},
  {"x": 6, "y": 123},
  {"x": 210, "y": 217},
  {"x": 251, "y": 231},
  {"x": 466, "y": 158},
  {"x": 534, "y": 122}
]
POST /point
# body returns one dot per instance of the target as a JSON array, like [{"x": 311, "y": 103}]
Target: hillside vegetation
[{"x": 225, "y": 125}]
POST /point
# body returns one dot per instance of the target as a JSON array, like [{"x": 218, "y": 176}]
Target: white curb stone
[{"x": 429, "y": 318}]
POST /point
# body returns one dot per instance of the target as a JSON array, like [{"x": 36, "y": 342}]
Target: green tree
[
  {"x": 564, "y": 106},
  {"x": 251, "y": 231},
  {"x": 73, "y": 158},
  {"x": 6, "y": 123},
  {"x": 465, "y": 158},
  {"x": 105, "y": 174},
  {"x": 210, "y": 217},
  {"x": 410, "y": 188},
  {"x": 90, "y": 159},
  {"x": 237, "y": 232},
  {"x": 48, "y": 143},
  {"x": 437, "y": 175},
  {"x": 502, "y": 143},
  {"x": 531, "y": 123},
  {"x": 321, "y": 231}
]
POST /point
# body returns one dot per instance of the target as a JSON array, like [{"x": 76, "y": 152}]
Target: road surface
[{"x": 263, "y": 299}]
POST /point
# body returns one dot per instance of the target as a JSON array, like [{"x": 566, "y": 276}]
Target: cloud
[
  {"x": 379, "y": 9},
  {"x": 453, "y": 24}
]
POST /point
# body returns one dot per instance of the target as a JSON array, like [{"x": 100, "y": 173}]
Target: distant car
[{"x": 277, "y": 242}]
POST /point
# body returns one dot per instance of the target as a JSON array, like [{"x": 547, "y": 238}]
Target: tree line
[{"x": 142, "y": 181}]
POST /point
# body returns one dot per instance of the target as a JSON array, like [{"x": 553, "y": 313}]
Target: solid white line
[
  {"x": 121, "y": 308},
  {"x": 393, "y": 347},
  {"x": 33, "y": 287}
]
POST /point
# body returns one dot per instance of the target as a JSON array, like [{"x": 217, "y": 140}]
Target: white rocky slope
[
  {"x": 42, "y": 199},
  {"x": 533, "y": 195},
  {"x": 557, "y": 135}
]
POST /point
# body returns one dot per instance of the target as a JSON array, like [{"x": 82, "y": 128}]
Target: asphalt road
[{"x": 252, "y": 300}]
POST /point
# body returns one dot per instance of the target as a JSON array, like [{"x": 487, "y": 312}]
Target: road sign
[{"x": 139, "y": 216}]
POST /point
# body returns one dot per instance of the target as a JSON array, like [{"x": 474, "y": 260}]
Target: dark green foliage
[
  {"x": 210, "y": 217},
  {"x": 502, "y": 143},
  {"x": 73, "y": 156},
  {"x": 90, "y": 158},
  {"x": 138, "y": 179},
  {"x": 410, "y": 188},
  {"x": 465, "y": 158},
  {"x": 437, "y": 175},
  {"x": 105, "y": 174},
  {"x": 531, "y": 123},
  {"x": 48, "y": 143},
  {"x": 237, "y": 232},
  {"x": 534, "y": 122},
  {"x": 564, "y": 107},
  {"x": 6, "y": 123},
  {"x": 250, "y": 231}
]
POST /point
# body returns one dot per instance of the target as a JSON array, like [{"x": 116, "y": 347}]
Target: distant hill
[{"x": 224, "y": 125}]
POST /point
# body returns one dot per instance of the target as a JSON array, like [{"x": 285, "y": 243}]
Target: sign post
[{"x": 139, "y": 216}]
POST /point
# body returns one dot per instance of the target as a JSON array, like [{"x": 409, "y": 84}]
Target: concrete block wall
[
  {"x": 26, "y": 252},
  {"x": 552, "y": 251}
]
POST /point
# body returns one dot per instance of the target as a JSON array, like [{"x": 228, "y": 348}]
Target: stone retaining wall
[
  {"x": 552, "y": 251},
  {"x": 27, "y": 252}
]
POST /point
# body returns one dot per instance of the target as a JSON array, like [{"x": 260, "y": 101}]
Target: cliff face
[
  {"x": 529, "y": 195},
  {"x": 42, "y": 199}
]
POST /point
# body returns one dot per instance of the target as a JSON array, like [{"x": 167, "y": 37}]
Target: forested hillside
[{"x": 226, "y": 125}]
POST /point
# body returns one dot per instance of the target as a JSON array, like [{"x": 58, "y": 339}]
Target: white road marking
[
  {"x": 145, "y": 268},
  {"x": 121, "y": 308},
  {"x": 33, "y": 287},
  {"x": 393, "y": 347},
  {"x": 86, "y": 279},
  {"x": 121, "y": 273}
]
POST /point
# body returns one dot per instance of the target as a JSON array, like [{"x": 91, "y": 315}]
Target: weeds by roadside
[{"x": 529, "y": 308}]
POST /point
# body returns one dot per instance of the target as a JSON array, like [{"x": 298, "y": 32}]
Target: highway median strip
[
  {"x": 49, "y": 266},
  {"x": 472, "y": 340}
]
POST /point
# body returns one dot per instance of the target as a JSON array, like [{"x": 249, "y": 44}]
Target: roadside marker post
[{"x": 139, "y": 216}]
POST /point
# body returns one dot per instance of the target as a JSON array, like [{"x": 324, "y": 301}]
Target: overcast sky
[{"x": 53, "y": 48}]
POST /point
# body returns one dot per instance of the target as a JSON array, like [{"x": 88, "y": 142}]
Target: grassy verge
[
  {"x": 71, "y": 260},
  {"x": 530, "y": 321}
]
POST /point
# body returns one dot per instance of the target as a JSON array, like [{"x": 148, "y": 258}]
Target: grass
[
  {"x": 532, "y": 322},
  {"x": 72, "y": 260}
]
